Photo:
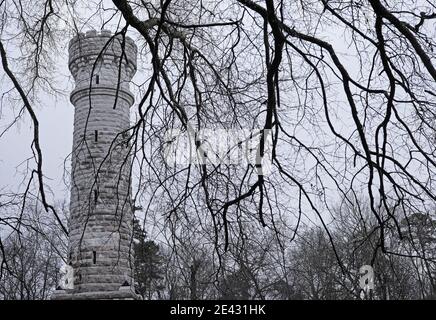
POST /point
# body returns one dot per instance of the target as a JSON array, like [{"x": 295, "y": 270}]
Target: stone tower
[{"x": 101, "y": 214}]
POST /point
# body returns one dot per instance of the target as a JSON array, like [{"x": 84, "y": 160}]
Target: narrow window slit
[
  {"x": 96, "y": 135},
  {"x": 95, "y": 196},
  {"x": 97, "y": 79},
  {"x": 94, "y": 257}
]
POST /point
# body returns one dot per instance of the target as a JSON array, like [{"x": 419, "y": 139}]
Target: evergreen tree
[{"x": 148, "y": 264}]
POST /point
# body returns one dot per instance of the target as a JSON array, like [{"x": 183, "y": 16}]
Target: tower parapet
[{"x": 102, "y": 60}]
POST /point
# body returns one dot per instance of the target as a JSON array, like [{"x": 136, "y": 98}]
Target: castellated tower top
[
  {"x": 86, "y": 47},
  {"x": 103, "y": 60}
]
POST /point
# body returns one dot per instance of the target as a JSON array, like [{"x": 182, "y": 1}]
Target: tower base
[{"x": 125, "y": 293}]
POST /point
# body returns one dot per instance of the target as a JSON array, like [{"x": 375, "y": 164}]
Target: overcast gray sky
[{"x": 55, "y": 115}]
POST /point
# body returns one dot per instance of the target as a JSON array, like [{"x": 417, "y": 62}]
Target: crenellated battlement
[{"x": 85, "y": 49}]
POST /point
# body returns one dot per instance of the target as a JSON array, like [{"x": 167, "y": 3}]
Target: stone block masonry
[{"x": 101, "y": 212}]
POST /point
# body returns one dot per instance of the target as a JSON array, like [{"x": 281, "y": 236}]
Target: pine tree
[{"x": 148, "y": 264}]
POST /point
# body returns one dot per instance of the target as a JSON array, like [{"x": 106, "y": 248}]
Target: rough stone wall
[{"x": 101, "y": 209}]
